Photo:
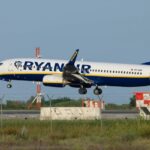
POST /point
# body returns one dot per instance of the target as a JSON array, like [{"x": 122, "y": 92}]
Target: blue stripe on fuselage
[
  {"x": 99, "y": 80},
  {"x": 123, "y": 82}
]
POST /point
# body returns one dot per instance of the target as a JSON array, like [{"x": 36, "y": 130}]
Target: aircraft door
[{"x": 10, "y": 67}]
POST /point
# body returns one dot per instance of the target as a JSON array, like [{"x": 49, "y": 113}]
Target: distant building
[{"x": 93, "y": 103}]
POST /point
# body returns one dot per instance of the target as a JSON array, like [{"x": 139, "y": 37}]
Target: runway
[
  {"x": 21, "y": 114},
  {"x": 119, "y": 114},
  {"x": 35, "y": 114}
]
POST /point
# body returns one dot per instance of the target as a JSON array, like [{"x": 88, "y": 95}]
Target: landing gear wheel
[
  {"x": 82, "y": 91},
  {"x": 97, "y": 91},
  {"x": 9, "y": 86}
]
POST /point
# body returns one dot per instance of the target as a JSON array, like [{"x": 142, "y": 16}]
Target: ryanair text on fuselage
[{"x": 48, "y": 66}]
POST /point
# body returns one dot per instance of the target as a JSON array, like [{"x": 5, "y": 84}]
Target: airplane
[{"x": 78, "y": 74}]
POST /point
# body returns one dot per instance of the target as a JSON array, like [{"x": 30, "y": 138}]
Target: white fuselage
[{"x": 109, "y": 74}]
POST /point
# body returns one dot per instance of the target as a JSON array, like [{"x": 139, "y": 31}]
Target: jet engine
[{"x": 54, "y": 81}]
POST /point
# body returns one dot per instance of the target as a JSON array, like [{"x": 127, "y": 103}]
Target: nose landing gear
[{"x": 9, "y": 85}]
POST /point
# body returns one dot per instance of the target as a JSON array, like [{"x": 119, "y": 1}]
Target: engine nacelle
[{"x": 54, "y": 81}]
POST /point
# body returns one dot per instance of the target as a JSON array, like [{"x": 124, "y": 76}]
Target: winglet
[{"x": 74, "y": 57}]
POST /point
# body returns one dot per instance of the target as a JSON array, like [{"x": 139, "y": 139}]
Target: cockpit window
[{"x": 1, "y": 64}]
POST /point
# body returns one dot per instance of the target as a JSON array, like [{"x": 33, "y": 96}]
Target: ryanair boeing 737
[{"x": 78, "y": 74}]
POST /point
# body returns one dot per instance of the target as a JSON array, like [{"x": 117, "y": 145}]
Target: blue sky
[{"x": 104, "y": 30}]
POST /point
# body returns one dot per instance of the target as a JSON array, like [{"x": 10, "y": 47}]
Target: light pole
[
  {"x": 50, "y": 104},
  {"x": 100, "y": 99},
  {"x": 1, "y": 116}
]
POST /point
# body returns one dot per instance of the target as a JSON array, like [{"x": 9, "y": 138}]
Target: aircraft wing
[
  {"x": 83, "y": 79},
  {"x": 71, "y": 73}
]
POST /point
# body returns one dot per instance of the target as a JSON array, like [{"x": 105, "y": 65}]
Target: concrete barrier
[{"x": 70, "y": 113}]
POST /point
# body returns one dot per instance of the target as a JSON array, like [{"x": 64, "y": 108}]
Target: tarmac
[{"x": 35, "y": 114}]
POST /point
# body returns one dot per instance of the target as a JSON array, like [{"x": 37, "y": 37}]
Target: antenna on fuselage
[{"x": 82, "y": 60}]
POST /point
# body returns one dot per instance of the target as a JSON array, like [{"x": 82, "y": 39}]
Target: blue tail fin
[{"x": 146, "y": 63}]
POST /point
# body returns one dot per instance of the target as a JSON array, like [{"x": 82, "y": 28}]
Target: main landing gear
[
  {"x": 96, "y": 91},
  {"x": 82, "y": 90}
]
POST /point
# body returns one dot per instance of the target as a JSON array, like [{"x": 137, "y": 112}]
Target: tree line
[{"x": 64, "y": 102}]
